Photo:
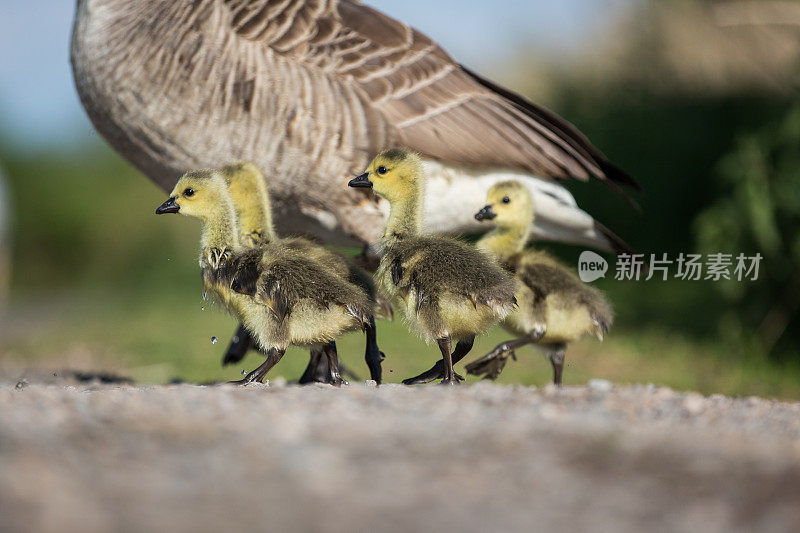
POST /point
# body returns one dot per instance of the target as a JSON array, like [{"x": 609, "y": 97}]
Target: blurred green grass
[
  {"x": 101, "y": 283},
  {"x": 157, "y": 337}
]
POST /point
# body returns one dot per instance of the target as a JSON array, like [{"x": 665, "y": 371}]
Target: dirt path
[{"x": 97, "y": 457}]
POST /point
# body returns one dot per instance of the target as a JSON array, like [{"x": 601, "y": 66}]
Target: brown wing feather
[{"x": 429, "y": 102}]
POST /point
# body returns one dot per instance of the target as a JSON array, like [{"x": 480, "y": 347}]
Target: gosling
[
  {"x": 446, "y": 289},
  {"x": 251, "y": 200},
  {"x": 555, "y": 307},
  {"x": 281, "y": 297}
]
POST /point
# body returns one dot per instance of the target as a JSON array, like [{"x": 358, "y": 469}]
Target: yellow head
[
  {"x": 250, "y": 196},
  {"x": 200, "y": 194},
  {"x": 244, "y": 181},
  {"x": 508, "y": 205},
  {"x": 395, "y": 174}
]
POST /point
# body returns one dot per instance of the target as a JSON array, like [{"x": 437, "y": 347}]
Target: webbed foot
[
  {"x": 488, "y": 366},
  {"x": 257, "y": 376},
  {"x": 338, "y": 381},
  {"x": 240, "y": 382},
  {"x": 455, "y": 380},
  {"x": 434, "y": 373},
  {"x": 252, "y": 377},
  {"x": 492, "y": 364}
]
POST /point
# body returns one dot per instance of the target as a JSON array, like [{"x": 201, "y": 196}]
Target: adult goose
[{"x": 310, "y": 91}]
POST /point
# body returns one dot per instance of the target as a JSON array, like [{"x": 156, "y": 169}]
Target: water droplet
[
  {"x": 244, "y": 372},
  {"x": 203, "y": 308},
  {"x": 235, "y": 338},
  {"x": 214, "y": 340}
]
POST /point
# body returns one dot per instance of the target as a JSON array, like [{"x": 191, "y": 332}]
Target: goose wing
[
  {"x": 242, "y": 273},
  {"x": 426, "y": 100},
  {"x": 281, "y": 284},
  {"x": 544, "y": 276},
  {"x": 432, "y": 265}
]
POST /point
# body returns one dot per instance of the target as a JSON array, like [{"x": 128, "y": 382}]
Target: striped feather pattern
[{"x": 309, "y": 90}]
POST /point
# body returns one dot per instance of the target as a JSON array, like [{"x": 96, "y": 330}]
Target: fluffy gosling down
[
  {"x": 554, "y": 307},
  {"x": 446, "y": 289},
  {"x": 280, "y": 296},
  {"x": 248, "y": 190}
]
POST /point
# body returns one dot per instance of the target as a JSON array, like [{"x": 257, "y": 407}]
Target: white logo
[{"x": 591, "y": 266}]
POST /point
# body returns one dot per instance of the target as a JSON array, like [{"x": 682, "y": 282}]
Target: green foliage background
[{"x": 100, "y": 282}]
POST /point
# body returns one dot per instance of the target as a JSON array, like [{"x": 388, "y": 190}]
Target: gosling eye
[
  {"x": 188, "y": 192},
  {"x": 382, "y": 170},
  {"x": 506, "y": 199}
]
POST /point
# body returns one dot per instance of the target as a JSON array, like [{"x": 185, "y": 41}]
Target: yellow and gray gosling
[
  {"x": 554, "y": 307},
  {"x": 446, "y": 289},
  {"x": 250, "y": 195},
  {"x": 281, "y": 297}
]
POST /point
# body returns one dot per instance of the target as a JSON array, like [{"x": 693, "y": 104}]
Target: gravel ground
[{"x": 95, "y": 456}]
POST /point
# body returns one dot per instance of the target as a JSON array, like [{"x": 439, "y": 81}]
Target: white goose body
[{"x": 565, "y": 221}]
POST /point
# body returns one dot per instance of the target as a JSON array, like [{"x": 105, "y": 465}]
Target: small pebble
[
  {"x": 599, "y": 385},
  {"x": 693, "y": 403},
  {"x": 550, "y": 412},
  {"x": 550, "y": 389}
]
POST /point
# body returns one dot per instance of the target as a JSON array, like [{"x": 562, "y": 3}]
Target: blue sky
[{"x": 39, "y": 106}]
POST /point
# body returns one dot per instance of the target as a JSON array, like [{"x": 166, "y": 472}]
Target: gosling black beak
[
  {"x": 361, "y": 181},
  {"x": 485, "y": 214},
  {"x": 168, "y": 207}
]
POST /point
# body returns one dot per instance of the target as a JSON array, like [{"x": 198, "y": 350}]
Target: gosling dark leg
[
  {"x": 257, "y": 376},
  {"x": 449, "y": 374},
  {"x": 333, "y": 363},
  {"x": 241, "y": 343},
  {"x": 317, "y": 370},
  {"x": 373, "y": 356},
  {"x": 463, "y": 347},
  {"x": 493, "y": 363},
  {"x": 557, "y": 356}
]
